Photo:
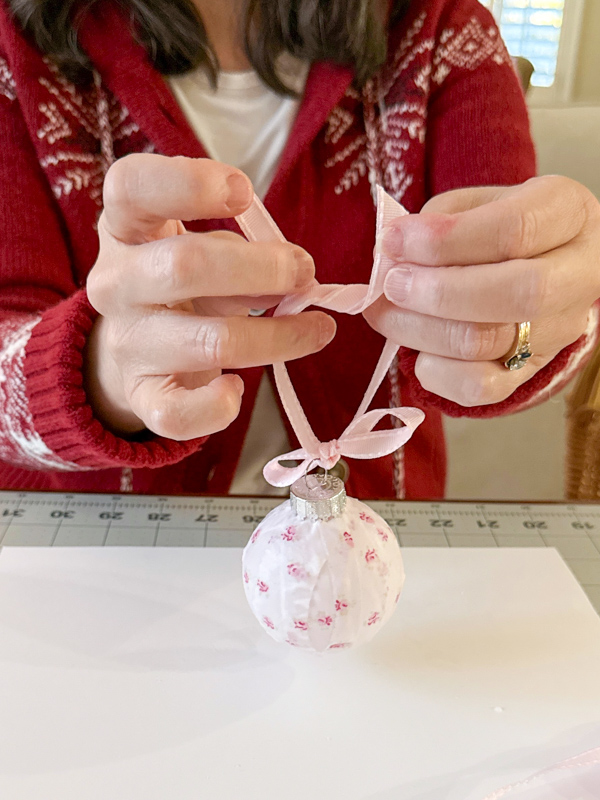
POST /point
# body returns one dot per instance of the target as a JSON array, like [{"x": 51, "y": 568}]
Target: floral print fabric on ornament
[{"x": 323, "y": 584}]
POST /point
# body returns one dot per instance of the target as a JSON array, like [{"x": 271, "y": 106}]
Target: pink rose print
[
  {"x": 348, "y": 539},
  {"x": 262, "y": 586},
  {"x": 370, "y": 556},
  {"x": 340, "y": 605},
  {"x": 296, "y": 571},
  {"x": 292, "y": 642},
  {"x": 397, "y": 597},
  {"x": 375, "y": 617},
  {"x": 254, "y": 536},
  {"x": 338, "y": 645},
  {"x": 326, "y": 620},
  {"x": 383, "y": 534},
  {"x": 269, "y": 623},
  {"x": 300, "y": 625},
  {"x": 366, "y": 518},
  {"x": 383, "y": 570},
  {"x": 246, "y": 577},
  {"x": 289, "y": 533}
]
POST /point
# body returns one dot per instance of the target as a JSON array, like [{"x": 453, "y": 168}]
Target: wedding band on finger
[{"x": 521, "y": 352}]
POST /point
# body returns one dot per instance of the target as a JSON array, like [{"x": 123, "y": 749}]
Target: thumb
[
  {"x": 457, "y": 200},
  {"x": 489, "y": 225}
]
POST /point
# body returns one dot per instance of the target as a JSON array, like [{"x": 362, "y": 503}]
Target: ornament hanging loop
[{"x": 361, "y": 439}]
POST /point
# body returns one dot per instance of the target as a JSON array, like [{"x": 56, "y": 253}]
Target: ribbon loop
[{"x": 359, "y": 440}]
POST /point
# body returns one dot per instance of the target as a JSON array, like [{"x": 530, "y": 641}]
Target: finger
[
  {"x": 203, "y": 265},
  {"x": 143, "y": 190},
  {"x": 466, "y": 199},
  {"x": 511, "y": 223},
  {"x": 258, "y": 304},
  {"x": 512, "y": 291},
  {"x": 468, "y": 341},
  {"x": 473, "y": 383},
  {"x": 170, "y": 342},
  {"x": 175, "y": 412}
]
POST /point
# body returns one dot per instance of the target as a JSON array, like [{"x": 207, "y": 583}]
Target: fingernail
[
  {"x": 305, "y": 267},
  {"x": 392, "y": 242},
  {"x": 327, "y": 329},
  {"x": 240, "y": 193},
  {"x": 397, "y": 284},
  {"x": 239, "y": 384}
]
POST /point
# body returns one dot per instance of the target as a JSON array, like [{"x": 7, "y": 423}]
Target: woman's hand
[
  {"x": 476, "y": 261},
  {"x": 174, "y": 308}
]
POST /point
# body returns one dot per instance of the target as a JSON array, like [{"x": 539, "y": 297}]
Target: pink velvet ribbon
[{"x": 359, "y": 440}]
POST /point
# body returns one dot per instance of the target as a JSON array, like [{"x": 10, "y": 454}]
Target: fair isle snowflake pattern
[
  {"x": 467, "y": 49},
  {"x": 82, "y": 128},
  {"x": 378, "y": 135},
  {"x": 408, "y": 52},
  {"x": 371, "y": 134},
  {"x": 342, "y": 120},
  {"x": 20, "y": 443},
  {"x": 8, "y": 87}
]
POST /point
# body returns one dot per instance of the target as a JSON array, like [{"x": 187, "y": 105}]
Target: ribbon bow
[{"x": 359, "y": 440}]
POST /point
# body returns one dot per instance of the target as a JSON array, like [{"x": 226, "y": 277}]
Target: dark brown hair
[{"x": 349, "y": 32}]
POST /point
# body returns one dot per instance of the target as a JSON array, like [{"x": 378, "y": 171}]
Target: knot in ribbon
[
  {"x": 360, "y": 439},
  {"x": 329, "y": 453}
]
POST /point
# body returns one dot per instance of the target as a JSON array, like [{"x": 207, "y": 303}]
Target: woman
[{"x": 117, "y": 387}]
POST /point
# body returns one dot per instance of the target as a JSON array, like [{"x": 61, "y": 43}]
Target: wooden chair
[
  {"x": 525, "y": 70},
  {"x": 583, "y": 434}
]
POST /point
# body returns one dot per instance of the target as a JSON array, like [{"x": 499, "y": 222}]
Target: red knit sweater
[{"x": 445, "y": 112}]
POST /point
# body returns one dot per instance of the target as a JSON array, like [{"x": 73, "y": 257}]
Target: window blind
[{"x": 531, "y": 28}]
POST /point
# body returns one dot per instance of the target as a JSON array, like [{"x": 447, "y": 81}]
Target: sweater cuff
[
  {"x": 541, "y": 387},
  {"x": 58, "y": 405}
]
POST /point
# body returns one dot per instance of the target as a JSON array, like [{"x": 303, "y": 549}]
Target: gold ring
[{"x": 518, "y": 356}]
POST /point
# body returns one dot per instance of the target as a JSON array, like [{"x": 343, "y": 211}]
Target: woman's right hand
[{"x": 174, "y": 305}]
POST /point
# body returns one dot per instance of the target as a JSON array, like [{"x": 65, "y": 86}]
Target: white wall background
[{"x": 568, "y": 142}]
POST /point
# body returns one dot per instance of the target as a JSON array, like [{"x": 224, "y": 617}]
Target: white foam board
[{"x": 140, "y": 673}]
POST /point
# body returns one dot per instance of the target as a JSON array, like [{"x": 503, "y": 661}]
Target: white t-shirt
[
  {"x": 246, "y": 124},
  {"x": 243, "y": 122}
]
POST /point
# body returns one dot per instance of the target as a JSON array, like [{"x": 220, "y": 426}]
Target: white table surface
[{"x": 140, "y": 673}]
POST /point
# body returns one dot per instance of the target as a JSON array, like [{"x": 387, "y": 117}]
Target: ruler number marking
[{"x": 62, "y": 509}]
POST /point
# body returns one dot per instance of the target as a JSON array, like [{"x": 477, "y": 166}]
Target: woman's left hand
[{"x": 477, "y": 261}]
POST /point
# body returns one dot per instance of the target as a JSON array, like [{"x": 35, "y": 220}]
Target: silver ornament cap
[{"x": 318, "y": 496}]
